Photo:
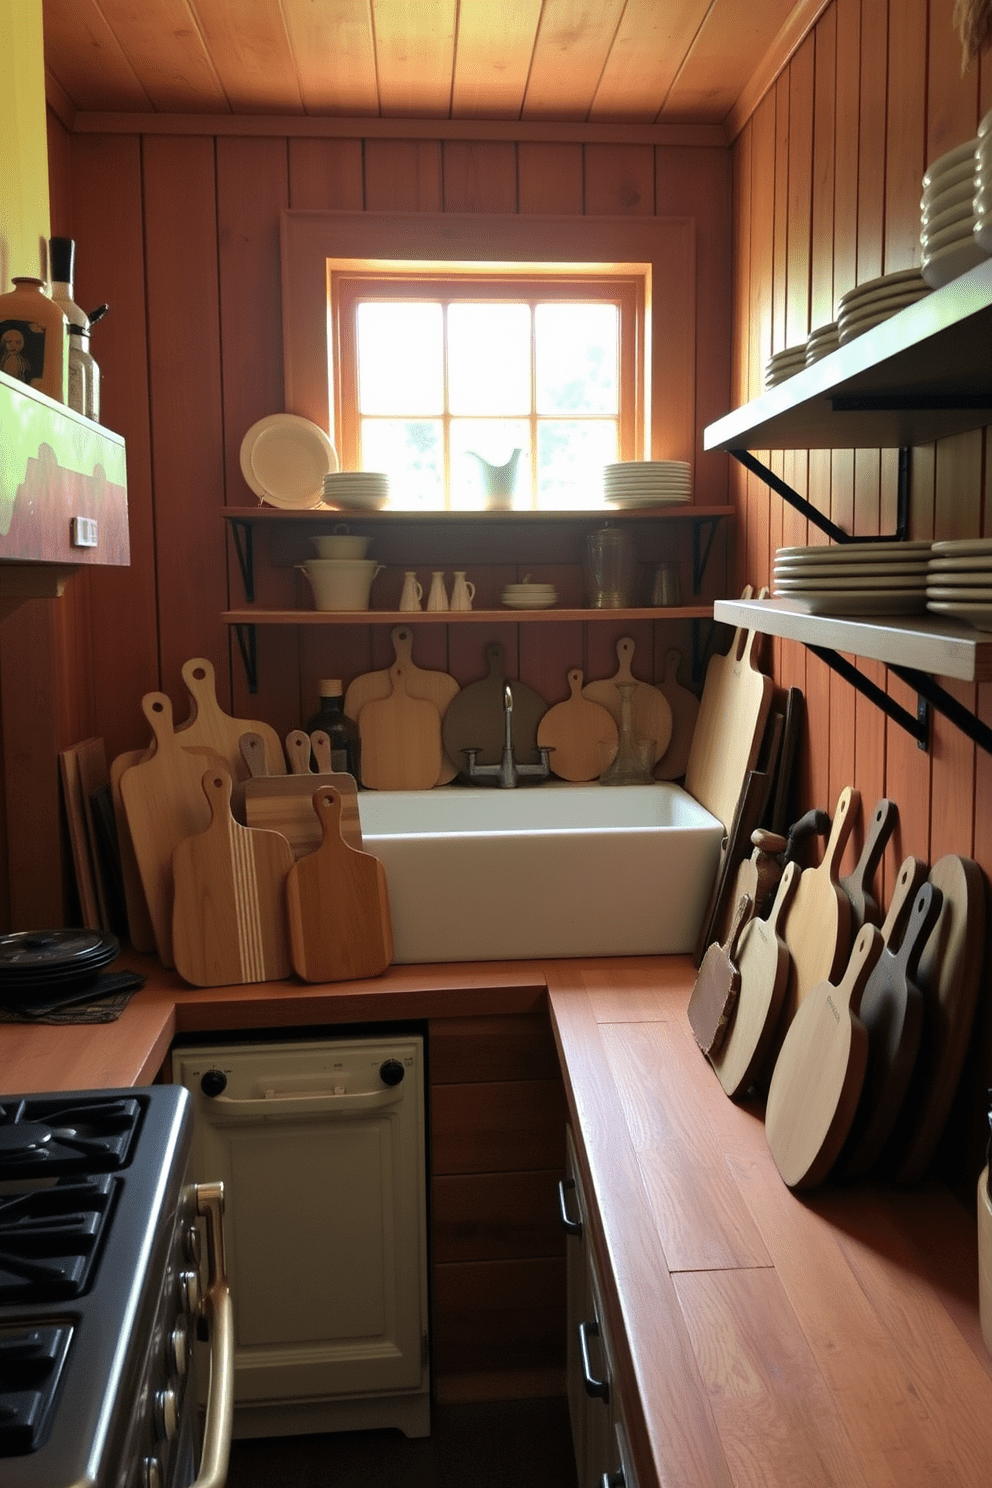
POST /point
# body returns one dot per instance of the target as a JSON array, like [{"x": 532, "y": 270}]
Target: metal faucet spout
[{"x": 507, "y": 772}]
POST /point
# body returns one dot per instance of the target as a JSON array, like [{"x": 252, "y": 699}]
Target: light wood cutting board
[
  {"x": 284, "y": 803},
  {"x": 711, "y": 1004},
  {"x": 164, "y": 803},
  {"x": 434, "y": 687},
  {"x": 401, "y": 739},
  {"x": 818, "y": 924},
  {"x": 582, "y": 735},
  {"x": 651, "y": 712},
  {"x": 338, "y": 903},
  {"x": 819, "y": 1072},
  {"x": 733, "y": 711},
  {"x": 476, "y": 720},
  {"x": 685, "y": 710},
  {"x": 229, "y": 918},
  {"x": 209, "y": 725},
  {"x": 140, "y": 930},
  {"x": 859, "y": 884}
]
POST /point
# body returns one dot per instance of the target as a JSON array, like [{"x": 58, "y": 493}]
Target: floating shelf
[{"x": 459, "y": 617}]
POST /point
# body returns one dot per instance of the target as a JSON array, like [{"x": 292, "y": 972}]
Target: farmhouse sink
[{"x": 477, "y": 874}]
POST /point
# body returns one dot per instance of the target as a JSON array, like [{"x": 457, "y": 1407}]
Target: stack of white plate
[
  {"x": 869, "y": 304},
  {"x": 982, "y": 202},
  {"x": 959, "y": 581},
  {"x": 366, "y": 490},
  {"x": 784, "y": 364},
  {"x": 821, "y": 342},
  {"x": 947, "y": 210},
  {"x": 647, "y": 482},
  {"x": 284, "y": 459},
  {"x": 528, "y": 596},
  {"x": 857, "y": 578}
]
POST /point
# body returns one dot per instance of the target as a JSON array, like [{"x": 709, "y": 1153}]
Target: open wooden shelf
[{"x": 458, "y": 617}]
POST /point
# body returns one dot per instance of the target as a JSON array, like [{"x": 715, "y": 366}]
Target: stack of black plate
[{"x": 50, "y": 968}]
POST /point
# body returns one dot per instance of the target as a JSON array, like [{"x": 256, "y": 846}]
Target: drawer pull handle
[
  {"x": 571, "y": 1226},
  {"x": 599, "y": 1389}
]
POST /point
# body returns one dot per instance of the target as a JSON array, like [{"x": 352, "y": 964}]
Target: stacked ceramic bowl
[
  {"x": 364, "y": 490},
  {"x": 959, "y": 581},
  {"x": 983, "y": 186},
  {"x": 856, "y": 578},
  {"x": 876, "y": 300},
  {"x": 784, "y": 364},
  {"x": 947, "y": 208},
  {"x": 647, "y": 482},
  {"x": 529, "y": 596},
  {"x": 822, "y": 342}
]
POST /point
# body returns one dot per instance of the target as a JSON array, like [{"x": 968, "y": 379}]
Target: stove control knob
[
  {"x": 167, "y": 1413},
  {"x": 214, "y": 1082},
  {"x": 151, "y": 1473},
  {"x": 179, "y": 1343},
  {"x": 391, "y": 1072},
  {"x": 189, "y": 1282}
]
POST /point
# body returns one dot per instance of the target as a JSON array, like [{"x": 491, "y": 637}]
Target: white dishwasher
[{"x": 320, "y": 1145}]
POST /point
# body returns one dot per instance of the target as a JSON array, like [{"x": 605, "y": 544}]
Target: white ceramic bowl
[
  {"x": 341, "y": 583},
  {"x": 341, "y": 545}
]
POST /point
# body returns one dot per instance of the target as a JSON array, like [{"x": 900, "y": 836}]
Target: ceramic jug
[
  {"x": 498, "y": 480},
  {"x": 438, "y": 597},
  {"x": 413, "y": 592},
  {"x": 462, "y": 592}
]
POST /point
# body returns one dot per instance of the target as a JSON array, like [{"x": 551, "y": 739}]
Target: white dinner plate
[
  {"x": 658, "y": 500},
  {"x": 947, "y": 216},
  {"x": 900, "y": 292},
  {"x": 878, "y": 581},
  {"x": 951, "y": 196},
  {"x": 892, "y": 602},
  {"x": 951, "y": 160},
  {"x": 884, "y": 306},
  {"x": 964, "y": 171},
  {"x": 284, "y": 459},
  {"x": 945, "y": 265},
  {"x": 958, "y": 232},
  {"x": 978, "y": 615},
  {"x": 962, "y": 547},
  {"x": 957, "y": 592},
  {"x": 855, "y": 551},
  {"x": 850, "y": 570}
]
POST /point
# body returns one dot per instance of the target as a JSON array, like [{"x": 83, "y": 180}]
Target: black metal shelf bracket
[
  {"x": 916, "y": 725},
  {"x": 939, "y": 698},
  {"x": 243, "y": 532},
  {"x": 248, "y": 646},
  {"x": 702, "y": 547},
  {"x": 814, "y": 515}
]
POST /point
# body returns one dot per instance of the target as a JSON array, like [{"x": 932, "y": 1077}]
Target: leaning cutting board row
[{"x": 856, "y": 1025}]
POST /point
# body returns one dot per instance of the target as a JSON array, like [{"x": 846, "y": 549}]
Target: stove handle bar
[
  {"x": 302, "y": 1103},
  {"x": 216, "y": 1308}
]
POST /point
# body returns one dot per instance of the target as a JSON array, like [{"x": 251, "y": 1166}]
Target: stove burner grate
[
  {"x": 49, "y": 1238},
  {"x": 31, "y": 1361},
  {"x": 48, "y": 1136}
]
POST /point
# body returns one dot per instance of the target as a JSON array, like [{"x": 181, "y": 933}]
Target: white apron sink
[{"x": 481, "y": 874}]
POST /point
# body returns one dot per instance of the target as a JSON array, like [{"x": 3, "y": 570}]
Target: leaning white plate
[
  {"x": 978, "y": 615},
  {"x": 284, "y": 459}
]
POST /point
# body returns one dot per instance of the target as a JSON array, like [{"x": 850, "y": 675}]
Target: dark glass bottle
[{"x": 346, "y": 749}]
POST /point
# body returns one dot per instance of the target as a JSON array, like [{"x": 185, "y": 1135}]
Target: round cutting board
[
  {"x": 650, "y": 710},
  {"x": 685, "y": 709},
  {"x": 582, "y": 735}
]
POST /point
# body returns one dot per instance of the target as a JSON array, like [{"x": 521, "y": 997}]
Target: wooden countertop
[{"x": 759, "y": 1338}]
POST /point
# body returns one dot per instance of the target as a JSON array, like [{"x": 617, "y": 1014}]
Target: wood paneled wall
[{"x": 827, "y": 181}]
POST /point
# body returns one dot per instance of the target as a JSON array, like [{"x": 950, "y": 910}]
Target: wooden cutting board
[
  {"x": 859, "y": 885},
  {"x": 892, "y": 1012},
  {"x": 684, "y": 707},
  {"x": 651, "y": 713},
  {"x": 284, "y": 803},
  {"x": 164, "y": 804},
  {"x": 819, "y": 1072},
  {"x": 582, "y": 735},
  {"x": 733, "y": 711},
  {"x": 434, "y": 687},
  {"x": 717, "y": 984},
  {"x": 140, "y": 929},
  {"x": 949, "y": 976},
  {"x": 401, "y": 739},
  {"x": 818, "y": 924},
  {"x": 229, "y": 917},
  {"x": 758, "y": 875},
  {"x": 298, "y": 751},
  {"x": 209, "y": 725},
  {"x": 763, "y": 963},
  {"x": 338, "y": 903},
  {"x": 475, "y": 718}
]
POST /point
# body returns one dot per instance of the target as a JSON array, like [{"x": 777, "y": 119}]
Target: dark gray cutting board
[{"x": 475, "y": 718}]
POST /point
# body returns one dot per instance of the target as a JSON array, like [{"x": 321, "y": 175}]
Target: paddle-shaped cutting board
[
  {"x": 476, "y": 719},
  {"x": 717, "y": 984},
  {"x": 819, "y": 1072},
  {"x": 284, "y": 803},
  {"x": 338, "y": 903},
  {"x": 140, "y": 929},
  {"x": 763, "y": 963},
  {"x": 685, "y": 710},
  {"x": 164, "y": 803},
  {"x": 818, "y": 924},
  {"x": 733, "y": 711},
  {"x": 298, "y": 752},
  {"x": 229, "y": 917},
  {"x": 892, "y": 1012},
  {"x": 859, "y": 885},
  {"x": 650, "y": 711},
  {"x": 434, "y": 687},
  {"x": 582, "y": 735},
  {"x": 401, "y": 739},
  {"x": 209, "y": 725}
]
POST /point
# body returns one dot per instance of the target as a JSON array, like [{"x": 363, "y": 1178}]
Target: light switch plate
[{"x": 84, "y": 532}]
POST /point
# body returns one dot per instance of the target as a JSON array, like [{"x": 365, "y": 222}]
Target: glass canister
[
  {"x": 610, "y": 568},
  {"x": 34, "y": 340}
]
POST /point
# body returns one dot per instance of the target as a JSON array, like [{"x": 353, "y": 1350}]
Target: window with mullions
[{"x": 440, "y": 379}]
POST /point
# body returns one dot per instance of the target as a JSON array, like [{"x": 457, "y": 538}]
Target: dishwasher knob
[
  {"x": 214, "y": 1082},
  {"x": 391, "y": 1072}
]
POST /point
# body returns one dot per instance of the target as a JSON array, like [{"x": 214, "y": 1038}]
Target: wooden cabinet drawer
[
  {"x": 498, "y": 1128},
  {"x": 517, "y": 1046}
]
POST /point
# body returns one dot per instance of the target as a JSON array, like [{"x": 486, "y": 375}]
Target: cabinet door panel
[
  {"x": 497, "y": 1128},
  {"x": 465, "y": 1050},
  {"x": 493, "y": 1315},
  {"x": 496, "y": 1216}
]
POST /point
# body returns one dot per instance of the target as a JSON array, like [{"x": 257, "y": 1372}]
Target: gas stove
[{"x": 100, "y": 1291}]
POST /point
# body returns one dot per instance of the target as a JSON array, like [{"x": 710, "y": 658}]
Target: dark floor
[{"x": 526, "y": 1443}]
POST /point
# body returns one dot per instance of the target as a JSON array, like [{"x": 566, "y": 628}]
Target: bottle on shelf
[
  {"x": 34, "y": 342},
  {"x": 339, "y": 728},
  {"x": 84, "y": 374}
]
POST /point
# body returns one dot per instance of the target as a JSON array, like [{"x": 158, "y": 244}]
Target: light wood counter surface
[{"x": 760, "y": 1338}]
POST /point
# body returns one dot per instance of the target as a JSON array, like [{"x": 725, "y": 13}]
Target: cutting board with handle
[
  {"x": 859, "y": 885},
  {"x": 717, "y": 984},
  {"x": 733, "y": 711},
  {"x": 759, "y": 874},
  {"x": 949, "y": 976},
  {"x": 684, "y": 707},
  {"x": 818, "y": 924},
  {"x": 140, "y": 929},
  {"x": 650, "y": 710},
  {"x": 284, "y": 803},
  {"x": 475, "y": 719},
  {"x": 298, "y": 751},
  {"x": 401, "y": 739},
  {"x": 817, "y": 1079},
  {"x": 164, "y": 804},
  {"x": 763, "y": 964},
  {"x": 582, "y": 735},
  {"x": 338, "y": 904},
  {"x": 210, "y": 726},
  {"x": 439, "y": 688},
  {"x": 229, "y": 914},
  {"x": 892, "y": 1012}
]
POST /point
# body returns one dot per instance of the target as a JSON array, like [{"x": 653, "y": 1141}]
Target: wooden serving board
[
  {"x": 763, "y": 963},
  {"x": 757, "y": 876},
  {"x": 818, "y": 1075},
  {"x": 210, "y": 726},
  {"x": 651, "y": 713},
  {"x": 434, "y": 687},
  {"x": 229, "y": 920},
  {"x": 140, "y": 930},
  {"x": 818, "y": 924},
  {"x": 401, "y": 739},
  {"x": 582, "y": 735},
  {"x": 284, "y": 803},
  {"x": 475, "y": 718},
  {"x": 859, "y": 885},
  {"x": 338, "y": 903},
  {"x": 684, "y": 707}
]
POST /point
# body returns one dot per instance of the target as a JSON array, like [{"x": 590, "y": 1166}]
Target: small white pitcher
[
  {"x": 438, "y": 597},
  {"x": 413, "y": 592},
  {"x": 462, "y": 591}
]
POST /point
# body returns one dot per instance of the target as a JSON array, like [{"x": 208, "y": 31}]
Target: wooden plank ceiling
[{"x": 634, "y": 61}]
